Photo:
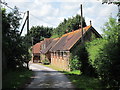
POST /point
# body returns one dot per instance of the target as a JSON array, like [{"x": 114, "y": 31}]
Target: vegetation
[
  {"x": 38, "y": 33},
  {"x": 68, "y": 25},
  {"x": 85, "y": 82},
  {"x": 46, "y": 62},
  {"x": 100, "y": 57},
  {"x": 104, "y": 54},
  {"x": 16, "y": 79},
  {"x": 74, "y": 63},
  {"x": 14, "y": 51},
  {"x": 79, "y": 80}
]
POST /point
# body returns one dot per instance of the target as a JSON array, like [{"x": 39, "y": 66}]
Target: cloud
[{"x": 52, "y": 12}]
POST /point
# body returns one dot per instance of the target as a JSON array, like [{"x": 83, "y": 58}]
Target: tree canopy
[
  {"x": 104, "y": 54},
  {"x": 38, "y": 33},
  {"x": 68, "y": 25},
  {"x": 15, "y": 51}
]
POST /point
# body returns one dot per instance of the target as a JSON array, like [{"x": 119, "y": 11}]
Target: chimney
[
  {"x": 79, "y": 26},
  {"x": 90, "y": 22},
  {"x": 66, "y": 31}
]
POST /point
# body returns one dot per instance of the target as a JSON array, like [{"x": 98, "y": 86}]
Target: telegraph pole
[
  {"x": 27, "y": 22},
  {"x": 81, "y": 22},
  {"x": 32, "y": 49},
  {"x": 27, "y": 34}
]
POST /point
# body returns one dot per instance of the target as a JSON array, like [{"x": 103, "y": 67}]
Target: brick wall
[{"x": 61, "y": 60}]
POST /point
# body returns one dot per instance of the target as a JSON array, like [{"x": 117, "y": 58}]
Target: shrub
[
  {"x": 74, "y": 63},
  {"x": 46, "y": 62},
  {"x": 104, "y": 55}
]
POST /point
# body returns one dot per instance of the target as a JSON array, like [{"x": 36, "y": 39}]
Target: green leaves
[
  {"x": 104, "y": 54},
  {"x": 74, "y": 63},
  {"x": 14, "y": 47},
  {"x": 39, "y": 33},
  {"x": 68, "y": 24}
]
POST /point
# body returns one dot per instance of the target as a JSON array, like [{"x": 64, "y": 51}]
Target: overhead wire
[
  {"x": 22, "y": 19},
  {"x": 4, "y": 3},
  {"x": 42, "y": 20}
]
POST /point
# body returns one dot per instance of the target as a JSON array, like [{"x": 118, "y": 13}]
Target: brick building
[
  {"x": 46, "y": 51},
  {"x": 58, "y": 51},
  {"x": 36, "y": 52},
  {"x": 69, "y": 43},
  {"x": 44, "y": 54}
]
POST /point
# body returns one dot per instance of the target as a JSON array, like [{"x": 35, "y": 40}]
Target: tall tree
[
  {"x": 14, "y": 49},
  {"x": 38, "y": 33},
  {"x": 69, "y": 25},
  {"x": 104, "y": 54}
]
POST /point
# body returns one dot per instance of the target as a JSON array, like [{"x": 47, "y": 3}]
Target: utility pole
[
  {"x": 32, "y": 49},
  {"x": 27, "y": 22},
  {"x": 81, "y": 22},
  {"x": 27, "y": 34}
]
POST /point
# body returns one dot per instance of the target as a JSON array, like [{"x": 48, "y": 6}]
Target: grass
[
  {"x": 16, "y": 79},
  {"x": 79, "y": 80}
]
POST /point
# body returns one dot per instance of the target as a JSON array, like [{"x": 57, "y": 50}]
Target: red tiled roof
[
  {"x": 36, "y": 48},
  {"x": 50, "y": 45},
  {"x": 46, "y": 42},
  {"x": 67, "y": 41}
]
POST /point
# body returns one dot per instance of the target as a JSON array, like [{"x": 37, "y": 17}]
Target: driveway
[{"x": 48, "y": 78}]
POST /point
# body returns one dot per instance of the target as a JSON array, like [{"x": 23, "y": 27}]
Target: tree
[
  {"x": 104, "y": 54},
  {"x": 116, "y": 2},
  {"x": 69, "y": 25},
  {"x": 14, "y": 49},
  {"x": 38, "y": 33}
]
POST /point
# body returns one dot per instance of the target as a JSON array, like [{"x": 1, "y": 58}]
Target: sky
[{"x": 52, "y": 12}]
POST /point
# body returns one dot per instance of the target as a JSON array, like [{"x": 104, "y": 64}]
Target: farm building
[
  {"x": 70, "y": 43},
  {"x": 58, "y": 50},
  {"x": 36, "y": 52},
  {"x": 46, "y": 51},
  {"x": 43, "y": 54}
]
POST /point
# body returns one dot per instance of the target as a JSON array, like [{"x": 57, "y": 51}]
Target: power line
[
  {"x": 4, "y": 3},
  {"x": 42, "y": 20},
  {"x": 22, "y": 19}
]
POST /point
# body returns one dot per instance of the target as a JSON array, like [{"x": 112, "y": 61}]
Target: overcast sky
[{"x": 52, "y": 12}]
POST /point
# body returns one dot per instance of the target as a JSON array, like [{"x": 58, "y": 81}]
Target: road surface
[{"x": 48, "y": 78}]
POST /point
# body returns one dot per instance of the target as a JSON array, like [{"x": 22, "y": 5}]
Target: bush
[
  {"x": 45, "y": 62},
  {"x": 74, "y": 63},
  {"x": 104, "y": 55}
]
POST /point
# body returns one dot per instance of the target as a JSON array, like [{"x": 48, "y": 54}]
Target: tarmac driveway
[{"x": 48, "y": 78}]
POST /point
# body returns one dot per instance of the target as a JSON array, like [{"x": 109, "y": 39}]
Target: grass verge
[
  {"x": 16, "y": 78},
  {"x": 79, "y": 80}
]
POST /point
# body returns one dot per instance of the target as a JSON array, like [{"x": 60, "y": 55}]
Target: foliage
[
  {"x": 94, "y": 48},
  {"x": 85, "y": 82},
  {"x": 85, "y": 68},
  {"x": 68, "y": 24},
  {"x": 104, "y": 54},
  {"x": 82, "y": 81},
  {"x": 46, "y": 62},
  {"x": 74, "y": 63},
  {"x": 16, "y": 79},
  {"x": 14, "y": 49},
  {"x": 38, "y": 33}
]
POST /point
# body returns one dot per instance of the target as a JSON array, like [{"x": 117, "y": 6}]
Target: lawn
[
  {"x": 79, "y": 80},
  {"x": 16, "y": 79}
]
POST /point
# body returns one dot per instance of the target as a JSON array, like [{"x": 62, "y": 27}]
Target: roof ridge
[{"x": 75, "y": 31}]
